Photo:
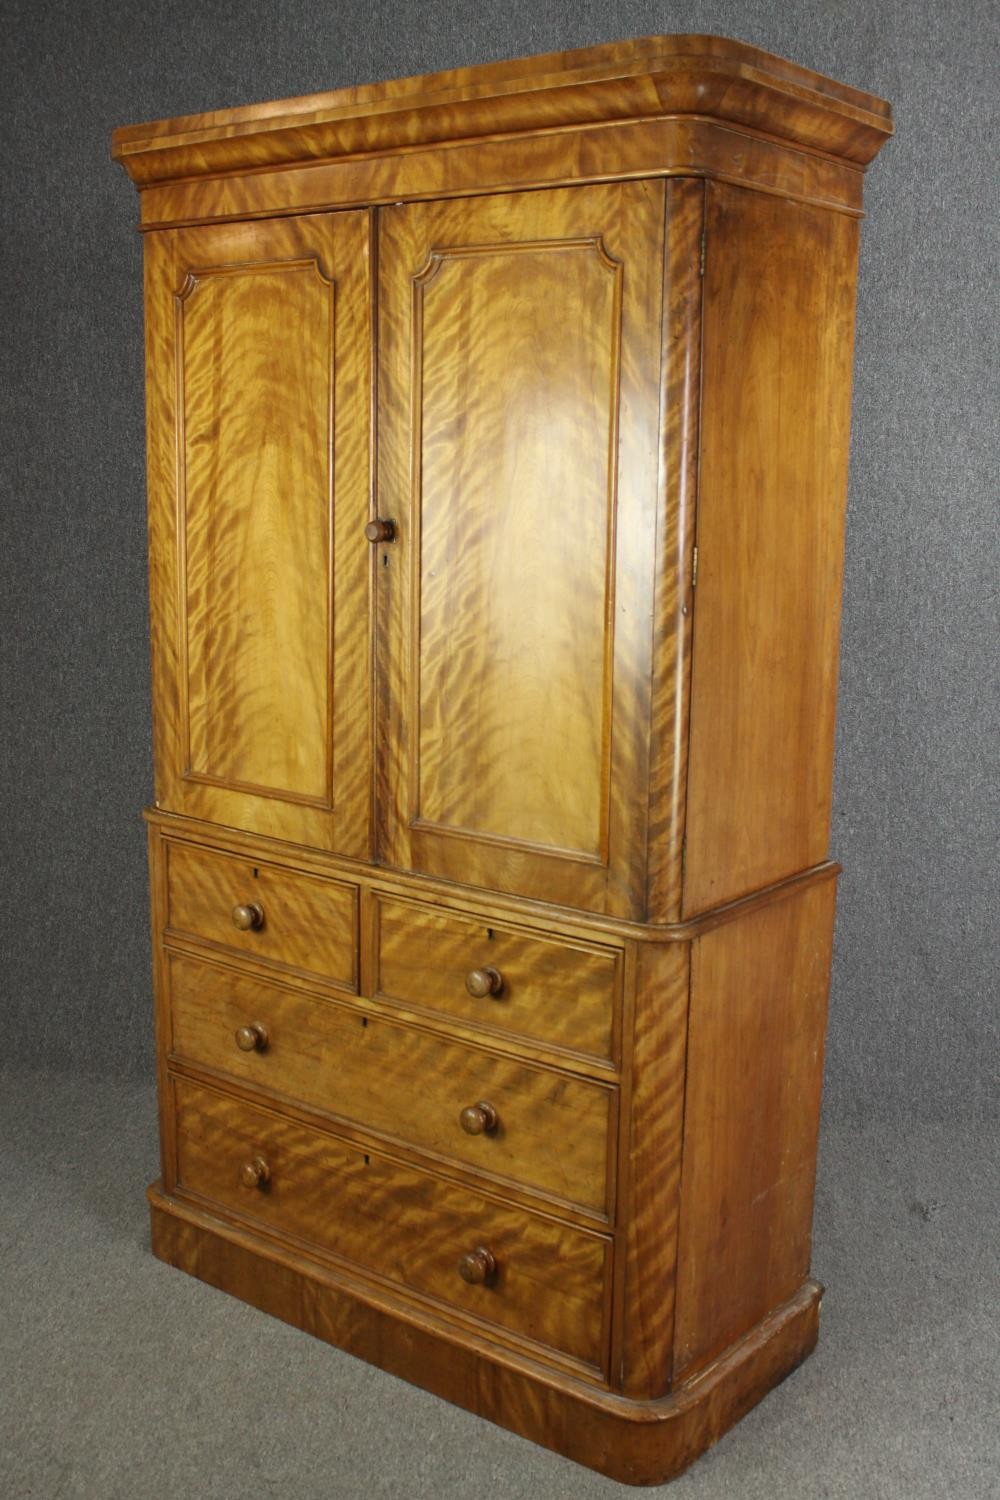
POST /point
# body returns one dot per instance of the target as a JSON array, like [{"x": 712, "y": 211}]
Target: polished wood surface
[
  {"x": 481, "y": 983},
  {"x": 559, "y": 992},
  {"x": 162, "y": 1025},
  {"x": 448, "y": 896},
  {"x": 520, "y": 334},
  {"x": 699, "y": 107},
  {"x": 380, "y": 531},
  {"x": 248, "y": 917},
  {"x": 498, "y": 428},
  {"x": 252, "y": 1037},
  {"x": 479, "y": 1119},
  {"x": 636, "y": 1442},
  {"x": 651, "y": 1165},
  {"x": 670, "y": 147},
  {"x": 778, "y": 325},
  {"x": 255, "y": 471},
  {"x": 673, "y": 607},
  {"x": 255, "y": 1173},
  {"x": 478, "y": 1267},
  {"x": 756, "y": 1028},
  {"x": 411, "y": 1228},
  {"x": 259, "y": 377},
  {"x": 642, "y": 77},
  {"x": 508, "y": 744},
  {"x": 535, "y": 1128},
  {"x": 306, "y": 924}
]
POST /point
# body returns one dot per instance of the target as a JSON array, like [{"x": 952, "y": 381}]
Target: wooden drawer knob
[
  {"x": 255, "y": 1173},
  {"x": 479, "y": 1119},
  {"x": 248, "y": 918},
  {"x": 380, "y": 531},
  {"x": 483, "y": 982},
  {"x": 252, "y": 1038},
  {"x": 478, "y": 1266}
]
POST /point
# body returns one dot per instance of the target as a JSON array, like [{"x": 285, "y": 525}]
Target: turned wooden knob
[
  {"x": 248, "y": 918},
  {"x": 252, "y": 1038},
  {"x": 482, "y": 982},
  {"x": 478, "y": 1266},
  {"x": 380, "y": 531},
  {"x": 478, "y": 1119},
  {"x": 255, "y": 1173}
]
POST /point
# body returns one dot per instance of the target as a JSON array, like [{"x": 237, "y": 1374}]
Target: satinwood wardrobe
[{"x": 497, "y": 451}]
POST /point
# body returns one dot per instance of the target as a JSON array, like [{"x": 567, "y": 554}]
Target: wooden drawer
[
  {"x": 560, "y": 992},
  {"x": 307, "y": 925},
  {"x": 552, "y": 1132},
  {"x": 412, "y": 1229}
]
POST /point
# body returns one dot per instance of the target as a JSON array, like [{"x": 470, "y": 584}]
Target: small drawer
[
  {"x": 528, "y": 1125},
  {"x": 277, "y": 916},
  {"x": 530, "y": 1275},
  {"x": 560, "y": 992}
]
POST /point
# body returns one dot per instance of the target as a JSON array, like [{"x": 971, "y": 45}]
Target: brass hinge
[
  {"x": 701, "y": 255},
  {"x": 694, "y": 567}
]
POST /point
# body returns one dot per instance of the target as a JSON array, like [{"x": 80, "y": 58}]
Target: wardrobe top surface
[{"x": 646, "y": 77}]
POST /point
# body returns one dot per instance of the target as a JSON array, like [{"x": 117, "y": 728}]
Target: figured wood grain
[
  {"x": 308, "y": 924},
  {"x": 510, "y": 701},
  {"x": 161, "y": 1005},
  {"x": 397, "y": 1222},
  {"x": 754, "y": 1077},
  {"x": 651, "y": 1168},
  {"x": 553, "y": 1130},
  {"x": 680, "y": 394},
  {"x": 650, "y": 148},
  {"x": 776, "y": 377},
  {"x": 564, "y": 994},
  {"x": 468, "y": 900},
  {"x": 636, "y": 1442},
  {"x": 645, "y": 76},
  {"x": 258, "y": 388},
  {"x": 529, "y": 463},
  {"x": 489, "y": 886},
  {"x": 255, "y": 409}
]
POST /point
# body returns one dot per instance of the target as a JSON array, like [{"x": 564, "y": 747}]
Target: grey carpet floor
[{"x": 122, "y": 1378}]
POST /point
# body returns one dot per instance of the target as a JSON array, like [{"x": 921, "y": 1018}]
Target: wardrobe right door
[{"x": 519, "y": 362}]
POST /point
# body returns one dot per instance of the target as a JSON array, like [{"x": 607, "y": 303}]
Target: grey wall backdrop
[{"x": 914, "y": 1001}]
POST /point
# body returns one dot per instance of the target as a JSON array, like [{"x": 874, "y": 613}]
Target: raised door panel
[
  {"x": 259, "y": 373},
  {"x": 519, "y": 370}
]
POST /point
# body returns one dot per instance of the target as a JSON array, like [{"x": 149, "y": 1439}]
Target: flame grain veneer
[{"x": 497, "y": 442}]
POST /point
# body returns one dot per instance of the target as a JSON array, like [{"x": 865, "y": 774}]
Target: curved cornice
[{"x": 651, "y": 78}]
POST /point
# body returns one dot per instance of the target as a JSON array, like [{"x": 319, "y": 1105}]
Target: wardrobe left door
[{"x": 259, "y": 383}]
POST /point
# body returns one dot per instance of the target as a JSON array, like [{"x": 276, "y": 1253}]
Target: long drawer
[
  {"x": 277, "y": 916},
  {"x": 529, "y": 1125},
  {"x": 499, "y": 976},
  {"x": 530, "y": 1275}
]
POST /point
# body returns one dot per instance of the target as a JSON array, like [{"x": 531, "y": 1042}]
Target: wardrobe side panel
[
  {"x": 755, "y": 1042},
  {"x": 778, "y": 321}
]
